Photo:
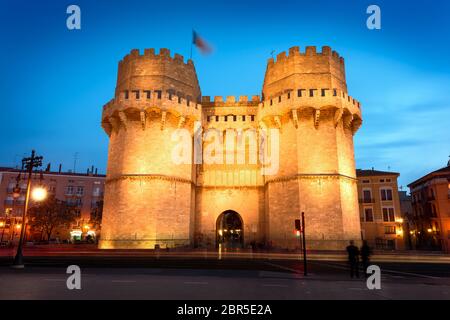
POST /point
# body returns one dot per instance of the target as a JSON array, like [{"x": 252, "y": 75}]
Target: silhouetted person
[
  {"x": 366, "y": 252},
  {"x": 353, "y": 255}
]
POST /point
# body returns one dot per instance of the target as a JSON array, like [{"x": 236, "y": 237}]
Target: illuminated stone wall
[{"x": 151, "y": 200}]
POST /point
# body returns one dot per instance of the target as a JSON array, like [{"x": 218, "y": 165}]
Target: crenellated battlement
[
  {"x": 325, "y": 69},
  {"x": 310, "y": 51},
  {"x": 230, "y": 101},
  {"x": 344, "y": 107},
  {"x": 125, "y": 108},
  {"x": 164, "y": 54},
  {"x": 158, "y": 72}
]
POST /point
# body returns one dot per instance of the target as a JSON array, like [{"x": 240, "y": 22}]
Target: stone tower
[
  {"x": 150, "y": 200},
  {"x": 147, "y": 196},
  {"x": 305, "y": 96}
]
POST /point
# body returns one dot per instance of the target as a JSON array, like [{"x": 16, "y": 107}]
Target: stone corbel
[
  {"x": 316, "y": 117},
  {"x": 338, "y": 116},
  {"x": 277, "y": 121},
  {"x": 123, "y": 118},
  {"x": 107, "y": 127},
  {"x": 348, "y": 120},
  {"x": 295, "y": 117},
  {"x": 114, "y": 123},
  {"x": 262, "y": 125},
  {"x": 181, "y": 121},
  {"x": 163, "y": 119},
  {"x": 356, "y": 125},
  {"x": 143, "y": 119}
]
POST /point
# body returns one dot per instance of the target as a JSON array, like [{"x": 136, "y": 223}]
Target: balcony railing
[{"x": 366, "y": 200}]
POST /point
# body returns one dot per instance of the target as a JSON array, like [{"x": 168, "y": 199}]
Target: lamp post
[{"x": 27, "y": 163}]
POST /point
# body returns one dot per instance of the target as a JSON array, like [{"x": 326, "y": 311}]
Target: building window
[
  {"x": 388, "y": 215},
  {"x": 69, "y": 190},
  {"x": 80, "y": 191},
  {"x": 368, "y": 214},
  {"x": 381, "y": 180},
  {"x": 366, "y": 181},
  {"x": 389, "y": 229},
  {"x": 388, "y": 180},
  {"x": 367, "y": 196},
  {"x": 96, "y": 192},
  {"x": 386, "y": 194}
]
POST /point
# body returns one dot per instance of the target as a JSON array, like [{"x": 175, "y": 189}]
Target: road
[{"x": 256, "y": 279}]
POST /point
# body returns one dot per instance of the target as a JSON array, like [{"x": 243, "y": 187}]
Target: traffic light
[{"x": 298, "y": 227}]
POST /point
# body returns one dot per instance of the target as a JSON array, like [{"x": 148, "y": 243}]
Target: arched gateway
[{"x": 230, "y": 230}]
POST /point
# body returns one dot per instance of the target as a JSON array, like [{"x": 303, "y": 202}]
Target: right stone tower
[{"x": 305, "y": 96}]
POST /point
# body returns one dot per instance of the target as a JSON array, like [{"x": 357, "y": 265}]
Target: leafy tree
[
  {"x": 50, "y": 214},
  {"x": 96, "y": 214}
]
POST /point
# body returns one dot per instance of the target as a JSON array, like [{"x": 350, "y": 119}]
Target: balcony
[{"x": 366, "y": 200}]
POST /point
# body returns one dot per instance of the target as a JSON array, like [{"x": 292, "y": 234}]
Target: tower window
[
  {"x": 217, "y": 118},
  {"x": 136, "y": 92},
  {"x": 126, "y": 94},
  {"x": 243, "y": 119},
  {"x": 289, "y": 95},
  {"x": 159, "y": 93},
  {"x": 279, "y": 99},
  {"x": 234, "y": 118},
  {"x": 147, "y": 92},
  {"x": 208, "y": 118},
  {"x": 252, "y": 118},
  {"x": 226, "y": 118}
]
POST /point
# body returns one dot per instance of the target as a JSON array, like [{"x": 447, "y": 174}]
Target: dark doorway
[{"x": 230, "y": 230}]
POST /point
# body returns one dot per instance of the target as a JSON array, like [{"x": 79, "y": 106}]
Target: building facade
[
  {"x": 430, "y": 218},
  {"x": 382, "y": 223},
  {"x": 82, "y": 192},
  {"x": 303, "y": 125}
]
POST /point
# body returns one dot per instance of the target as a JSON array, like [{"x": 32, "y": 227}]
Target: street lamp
[
  {"x": 29, "y": 164},
  {"x": 39, "y": 193}
]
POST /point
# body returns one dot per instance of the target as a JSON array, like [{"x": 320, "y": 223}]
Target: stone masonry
[{"x": 150, "y": 200}]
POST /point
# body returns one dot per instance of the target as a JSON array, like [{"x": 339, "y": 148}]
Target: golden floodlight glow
[
  {"x": 399, "y": 220},
  {"x": 18, "y": 226},
  {"x": 39, "y": 193},
  {"x": 2, "y": 223},
  {"x": 429, "y": 230}
]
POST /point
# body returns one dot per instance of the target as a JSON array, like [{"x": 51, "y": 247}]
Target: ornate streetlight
[{"x": 28, "y": 164}]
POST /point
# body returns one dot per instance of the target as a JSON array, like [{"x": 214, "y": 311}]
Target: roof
[
  {"x": 374, "y": 173},
  {"x": 442, "y": 172},
  {"x": 8, "y": 169}
]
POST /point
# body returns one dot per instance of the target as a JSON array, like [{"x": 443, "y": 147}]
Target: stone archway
[{"x": 230, "y": 230}]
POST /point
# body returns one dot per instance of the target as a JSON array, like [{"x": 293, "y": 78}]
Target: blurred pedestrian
[
  {"x": 366, "y": 252},
  {"x": 353, "y": 259}
]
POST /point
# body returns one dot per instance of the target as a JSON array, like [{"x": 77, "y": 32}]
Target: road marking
[
  {"x": 195, "y": 282},
  {"x": 383, "y": 270},
  {"x": 282, "y": 267},
  {"x": 55, "y": 280},
  {"x": 275, "y": 285}
]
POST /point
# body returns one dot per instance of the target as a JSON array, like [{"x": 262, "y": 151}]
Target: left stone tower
[{"x": 149, "y": 199}]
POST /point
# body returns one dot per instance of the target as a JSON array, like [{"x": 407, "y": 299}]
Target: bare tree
[{"x": 50, "y": 214}]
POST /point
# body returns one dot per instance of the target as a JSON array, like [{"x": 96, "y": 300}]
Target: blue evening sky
[{"x": 54, "y": 82}]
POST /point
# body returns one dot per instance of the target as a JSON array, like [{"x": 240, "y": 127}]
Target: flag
[{"x": 200, "y": 43}]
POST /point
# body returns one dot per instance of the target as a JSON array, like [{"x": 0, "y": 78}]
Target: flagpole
[{"x": 192, "y": 41}]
